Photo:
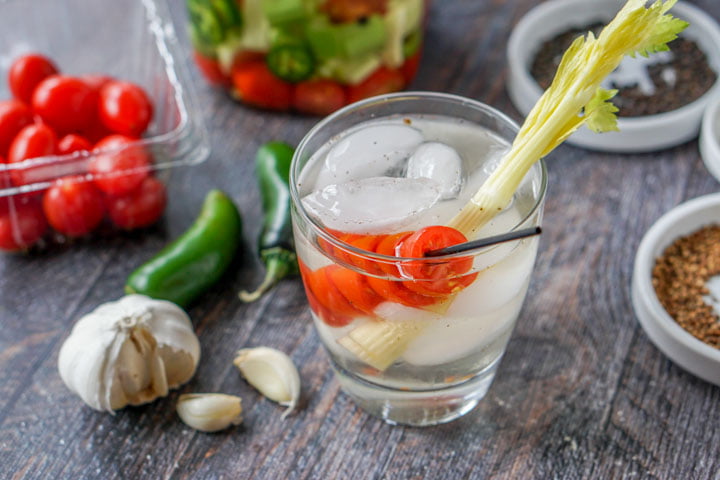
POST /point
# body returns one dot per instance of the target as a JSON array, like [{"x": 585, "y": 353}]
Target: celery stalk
[{"x": 574, "y": 98}]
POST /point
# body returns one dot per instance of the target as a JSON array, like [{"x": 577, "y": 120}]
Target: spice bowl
[
  {"x": 687, "y": 351},
  {"x": 132, "y": 41},
  {"x": 710, "y": 138},
  {"x": 638, "y": 133}
]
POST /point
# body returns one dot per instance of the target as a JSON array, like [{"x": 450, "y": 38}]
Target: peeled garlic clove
[
  {"x": 209, "y": 412},
  {"x": 272, "y": 373}
]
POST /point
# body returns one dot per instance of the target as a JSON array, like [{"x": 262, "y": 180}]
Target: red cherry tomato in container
[
  {"x": 119, "y": 165},
  {"x": 72, "y": 142},
  {"x": 26, "y": 73},
  {"x": 65, "y": 103},
  {"x": 124, "y": 108},
  {"x": 139, "y": 208},
  {"x": 22, "y": 223},
  {"x": 256, "y": 85},
  {"x": 33, "y": 141},
  {"x": 14, "y": 115},
  {"x": 319, "y": 97},
  {"x": 73, "y": 206}
]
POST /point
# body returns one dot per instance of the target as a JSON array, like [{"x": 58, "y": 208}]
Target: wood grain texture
[{"x": 581, "y": 392}]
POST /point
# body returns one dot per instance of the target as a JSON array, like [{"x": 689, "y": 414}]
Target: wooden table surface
[{"x": 580, "y": 393}]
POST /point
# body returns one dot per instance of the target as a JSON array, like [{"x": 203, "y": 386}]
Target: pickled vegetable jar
[{"x": 310, "y": 56}]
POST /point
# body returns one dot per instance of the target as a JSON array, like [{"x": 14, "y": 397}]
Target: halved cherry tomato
[
  {"x": 256, "y": 85},
  {"x": 383, "y": 80},
  {"x": 26, "y": 73},
  {"x": 319, "y": 97},
  {"x": 22, "y": 223},
  {"x": 395, "y": 291},
  {"x": 368, "y": 243},
  {"x": 73, "y": 206},
  {"x": 14, "y": 115},
  {"x": 354, "y": 288},
  {"x": 333, "y": 319},
  {"x": 33, "y": 141},
  {"x": 124, "y": 108},
  {"x": 65, "y": 103},
  {"x": 441, "y": 277},
  {"x": 388, "y": 246},
  {"x": 119, "y": 165},
  {"x": 210, "y": 69},
  {"x": 139, "y": 208},
  {"x": 72, "y": 142}
]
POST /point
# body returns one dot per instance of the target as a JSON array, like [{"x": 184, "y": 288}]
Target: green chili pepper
[
  {"x": 291, "y": 62},
  {"x": 277, "y": 250},
  {"x": 193, "y": 262},
  {"x": 212, "y": 21}
]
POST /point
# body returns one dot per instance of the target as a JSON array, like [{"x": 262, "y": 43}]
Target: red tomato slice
[
  {"x": 354, "y": 288},
  {"x": 256, "y": 85},
  {"x": 388, "y": 246},
  {"x": 396, "y": 292},
  {"x": 442, "y": 277},
  {"x": 330, "y": 318},
  {"x": 210, "y": 69},
  {"x": 319, "y": 97},
  {"x": 383, "y": 80}
]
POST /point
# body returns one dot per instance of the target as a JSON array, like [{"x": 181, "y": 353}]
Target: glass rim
[{"x": 322, "y": 232}]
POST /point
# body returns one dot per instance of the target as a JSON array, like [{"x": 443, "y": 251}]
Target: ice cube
[
  {"x": 369, "y": 152},
  {"x": 372, "y": 205},
  {"x": 439, "y": 162}
]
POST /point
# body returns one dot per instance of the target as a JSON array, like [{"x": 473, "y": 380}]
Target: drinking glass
[{"x": 407, "y": 363}]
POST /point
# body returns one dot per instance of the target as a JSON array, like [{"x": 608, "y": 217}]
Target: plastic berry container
[
  {"x": 137, "y": 44},
  {"x": 638, "y": 133},
  {"x": 690, "y": 353},
  {"x": 307, "y": 56}
]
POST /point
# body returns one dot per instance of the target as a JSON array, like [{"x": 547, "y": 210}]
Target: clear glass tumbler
[{"x": 408, "y": 357}]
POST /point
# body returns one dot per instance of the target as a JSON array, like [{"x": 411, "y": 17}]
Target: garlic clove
[
  {"x": 209, "y": 412},
  {"x": 272, "y": 373}
]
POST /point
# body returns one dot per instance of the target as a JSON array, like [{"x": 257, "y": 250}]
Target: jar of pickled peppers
[{"x": 309, "y": 56}]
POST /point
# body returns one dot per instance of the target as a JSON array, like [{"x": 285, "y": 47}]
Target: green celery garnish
[{"x": 574, "y": 98}]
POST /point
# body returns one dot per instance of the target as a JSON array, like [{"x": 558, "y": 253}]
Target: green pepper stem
[{"x": 278, "y": 267}]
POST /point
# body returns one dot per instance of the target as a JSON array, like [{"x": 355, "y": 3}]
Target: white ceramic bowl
[
  {"x": 637, "y": 134},
  {"x": 710, "y": 138},
  {"x": 680, "y": 346}
]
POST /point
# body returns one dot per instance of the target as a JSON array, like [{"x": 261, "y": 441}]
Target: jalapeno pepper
[
  {"x": 292, "y": 63},
  {"x": 275, "y": 244},
  {"x": 192, "y": 263},
  {"x": 212, "y": 21}
]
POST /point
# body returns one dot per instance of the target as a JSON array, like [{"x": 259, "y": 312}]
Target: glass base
[{"x": 417, "y": 408}]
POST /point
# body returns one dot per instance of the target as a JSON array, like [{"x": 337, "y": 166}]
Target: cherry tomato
[
  {"x": 72, "y": 142},
  {"x": 255, "y": 85},
  {"x": 210, "y": 69},
  {"x": 435, "y": 278},
  {"x": 26, "y": 73},
  {"x": 120, "y": 165},
  {"x": 33, "y": 141},
  {"x": 125, "y": 108},
  {"x": 383, "y": 80},
  {"x": 139, "y": 208},
  {"x": 388, "y": 247},
  {"x": 333, "y": 319},
  {"x": 395, "y": 291},
  {"x": 364, "y": 242},
  {"x": 73, "y": 206},
  {"x": 328, "y": 295},
  {"x": 14, "y": 115},
  {"x": 319, "y": 97},
  {"x": 410, "y": 67},
  {"x": 354, "y": 288},
  {"x": 22, "y": 223},
  {"x": 65, "y": 103}
]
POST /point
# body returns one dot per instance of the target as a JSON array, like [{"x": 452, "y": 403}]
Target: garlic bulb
[
  {"x": 272, "y": 372},
  {"x": 129, "y": 352},
  {"x": 209, "y": 412}
]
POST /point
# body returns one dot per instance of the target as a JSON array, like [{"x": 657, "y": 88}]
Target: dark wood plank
[{"x": 581, "y": 392}]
